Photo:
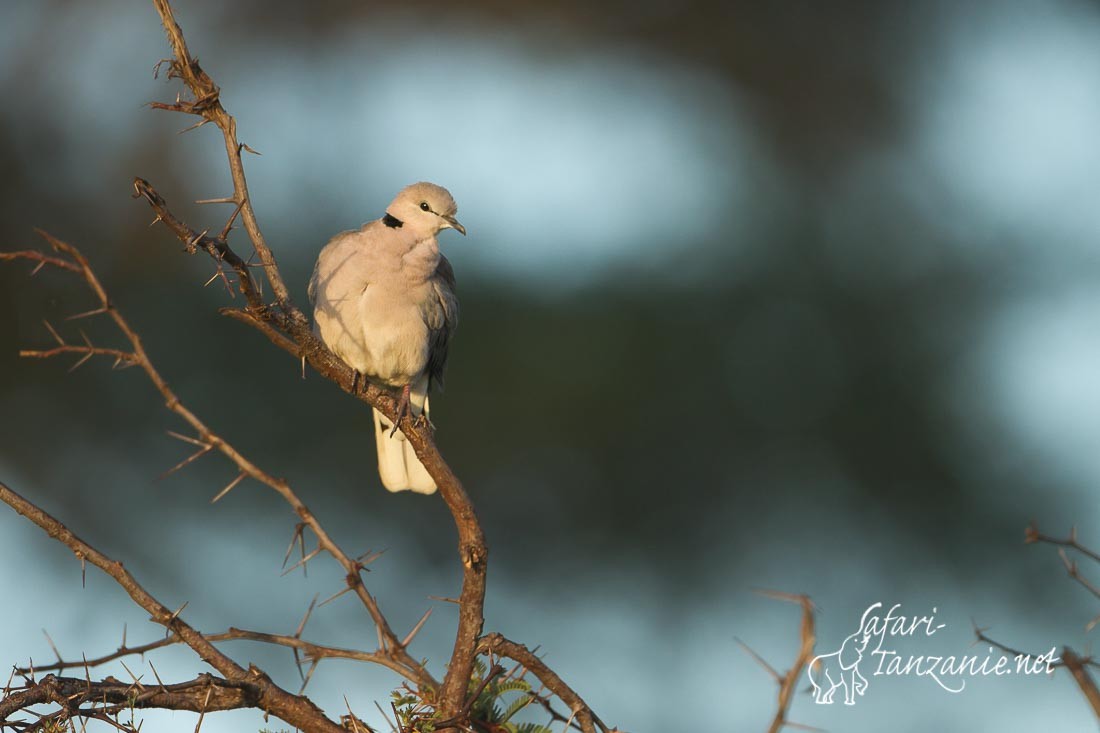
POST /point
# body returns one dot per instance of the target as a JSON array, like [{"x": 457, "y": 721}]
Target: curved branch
[
  {"x": 497, "y": 644},
  {"x": 294, "y": 709}
]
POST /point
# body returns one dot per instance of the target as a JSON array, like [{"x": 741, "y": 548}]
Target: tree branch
[
  {"x": 205, "y": 693},
  {"x": 295, "y": 710},
  {"x": 473, "y": 552},
  {"x": 497, "y": 644}
]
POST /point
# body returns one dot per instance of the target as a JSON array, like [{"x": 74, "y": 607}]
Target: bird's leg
[
  {"x": 402, "y": 408},
  {"x": 355, "y": 381}
]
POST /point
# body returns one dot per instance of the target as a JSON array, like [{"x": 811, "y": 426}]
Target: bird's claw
[{"x": 402, "y": 408}]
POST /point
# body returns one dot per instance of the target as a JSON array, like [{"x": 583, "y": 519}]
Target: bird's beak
[{"x": 455, "y": 225}]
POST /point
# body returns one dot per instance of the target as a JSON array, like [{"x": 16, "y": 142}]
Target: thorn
[
  {"x": 232, "y": 218},
  {"x": 444, "y": 599},
  {"x": 123, "y": 636},
  {"x": 309, "y": 675},
  {"x": 303, "y": 366},
  {"x": 193, "y": 242},
  {"x": 126, "y": 362},
  {"x": 173, "y": 617},
  {"x": 37, "y": 268},
  {"x": 157, "y": 676},
  {"x": 803, "y": 726},
  {"x": 305, "y": 619},
  {"x": 302, "y": 562},
  {"x": 202, "y": 713},
  {"x": 245, "y": 147},
  {"x": 214, "y": 277},
  {"x": 200, "y": 123},
  {"x": 85, "y": 314},
  {"x": 416, "y": 629},
  {"x": 60, "y": 341},
  {"x": 154, "y": 221},
  {"x": 137, "y": 680},
  {"x": 222, "y": 200},
  {"x": 351, "y": 715},
  {"x": 52, "y": 646},
  {"x": 83, "y": 571},
  {"x": 368, "y": 557},
  {"x": 334, "y": 596},
  {"x": 759, "y": 660},
  {"x": 81, "y": 361},
  {"x": 186, "y": 439},
  {"x": 187, "y": 461},
  {"x": 232, "y": 485},
  {"x": 385, "y": 717},
  {"x": 298, "y": 530}
]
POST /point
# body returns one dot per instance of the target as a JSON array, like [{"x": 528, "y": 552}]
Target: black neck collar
[{"x": 392, "y": 221}]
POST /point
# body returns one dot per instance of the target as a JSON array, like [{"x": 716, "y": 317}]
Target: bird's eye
[{"x": 424, "y": 206}]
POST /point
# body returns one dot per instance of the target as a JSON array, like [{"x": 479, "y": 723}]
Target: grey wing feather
[{"x": 443, "y": 325}]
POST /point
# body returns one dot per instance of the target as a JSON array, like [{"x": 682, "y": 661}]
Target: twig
[{"x": 789, "y": 681}]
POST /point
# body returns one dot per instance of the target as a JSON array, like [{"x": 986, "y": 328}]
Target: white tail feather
[{"x": 398, "y": 465}]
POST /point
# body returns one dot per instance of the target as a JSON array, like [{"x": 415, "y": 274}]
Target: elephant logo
[{"x": 827, "y": 672}]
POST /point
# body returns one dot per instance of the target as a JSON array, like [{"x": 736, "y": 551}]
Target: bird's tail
[{"x": 398, "y": 465}]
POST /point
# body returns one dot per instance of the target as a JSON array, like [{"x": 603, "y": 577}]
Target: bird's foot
[
  {"x": 423, "y": 421},
  {"x": 402, "y": 408}
]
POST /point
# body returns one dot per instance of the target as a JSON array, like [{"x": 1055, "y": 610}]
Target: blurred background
[{"x": 798, "y": 296}]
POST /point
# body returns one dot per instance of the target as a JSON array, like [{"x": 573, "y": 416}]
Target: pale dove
[{"x": 384, "y": 302}]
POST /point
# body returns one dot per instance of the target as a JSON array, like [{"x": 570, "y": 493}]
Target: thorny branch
[
  {"x": 392, "y": 651},
  {"x": 86, "y": 698},
  {"x": 294, "y": 709},
  {"x": 288, "y": 328},
  {"x": 788, "y": 681}
]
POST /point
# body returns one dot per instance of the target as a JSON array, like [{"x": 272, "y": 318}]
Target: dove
[{"x": 384, "y": 302}]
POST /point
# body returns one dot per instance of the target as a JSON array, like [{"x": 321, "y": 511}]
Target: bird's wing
[{"x": 443, "y": 320}]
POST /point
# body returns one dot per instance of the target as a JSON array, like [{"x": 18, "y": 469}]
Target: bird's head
[{"x": 425, "y": 208}]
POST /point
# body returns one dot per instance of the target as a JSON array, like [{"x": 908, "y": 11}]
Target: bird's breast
[{"x": 395, "y": 336}]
